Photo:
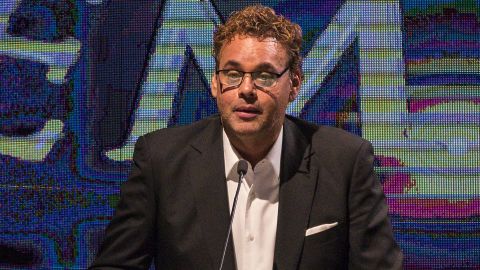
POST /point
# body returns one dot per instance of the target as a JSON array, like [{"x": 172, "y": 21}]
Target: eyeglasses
[{"x": 231, "y": 78}]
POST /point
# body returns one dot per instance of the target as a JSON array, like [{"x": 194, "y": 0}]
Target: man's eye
[
  {"x": 265, "y": 76},
  {"x": 234, "y": 74}
]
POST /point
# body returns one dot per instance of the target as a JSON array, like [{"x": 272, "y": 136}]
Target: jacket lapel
[
  {"x": 210, "y": 191},
  {"x": 297, "y": 188}
]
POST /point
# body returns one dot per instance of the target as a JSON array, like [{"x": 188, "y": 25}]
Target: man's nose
[{"x": 247, "y": 87}]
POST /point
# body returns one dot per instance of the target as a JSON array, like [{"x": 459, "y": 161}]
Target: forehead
[{"x": 250, "y": 52}]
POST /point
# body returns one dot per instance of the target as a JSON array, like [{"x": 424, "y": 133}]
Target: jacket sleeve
[
  {"x": 372, "y": 245},
  {"x": 129, "y": 238}
]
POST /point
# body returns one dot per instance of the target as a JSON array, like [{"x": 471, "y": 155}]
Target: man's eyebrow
[
  {"x": 232, "y": 63},
  {"x": 265, "y": 67},
  {"x": 261, "y": 67}
]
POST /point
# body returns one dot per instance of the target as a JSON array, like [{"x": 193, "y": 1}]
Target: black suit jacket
[{"x": 174, "y": 206}]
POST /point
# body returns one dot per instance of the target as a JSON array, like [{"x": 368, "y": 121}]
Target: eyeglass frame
[{"x": 231, "y": 87}]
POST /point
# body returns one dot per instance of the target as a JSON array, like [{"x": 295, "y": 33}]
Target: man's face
[{"x": 247, "y": 110}]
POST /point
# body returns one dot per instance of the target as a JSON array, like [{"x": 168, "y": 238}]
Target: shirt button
[{"x": 251, "y": 238}]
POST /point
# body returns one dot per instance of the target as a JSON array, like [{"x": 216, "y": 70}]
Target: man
[{"x": 310, "y": 199}]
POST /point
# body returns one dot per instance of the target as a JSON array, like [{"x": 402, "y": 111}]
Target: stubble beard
[{"x": 259, "y": 131}]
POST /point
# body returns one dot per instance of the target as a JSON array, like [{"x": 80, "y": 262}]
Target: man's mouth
[{"x": 247, "y": 112}]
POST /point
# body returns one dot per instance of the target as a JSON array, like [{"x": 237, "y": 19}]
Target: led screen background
[{"x": 81, "y": 80}]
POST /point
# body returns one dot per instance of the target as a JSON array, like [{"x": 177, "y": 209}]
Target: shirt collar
[{"x": 231, "y": 156}]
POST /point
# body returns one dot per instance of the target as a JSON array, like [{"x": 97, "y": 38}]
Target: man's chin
[
  {"x": 246, "y": 132},
  {"x": 245, "y": 129}
]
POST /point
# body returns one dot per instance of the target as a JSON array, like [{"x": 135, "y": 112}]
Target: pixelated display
[{"x": 81, "y": 80}]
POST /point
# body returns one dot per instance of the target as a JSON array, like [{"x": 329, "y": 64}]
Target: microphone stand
[{"x": 242, "y": 168}]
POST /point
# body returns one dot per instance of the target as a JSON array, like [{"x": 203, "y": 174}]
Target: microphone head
[{"x": 242, "y": 167}]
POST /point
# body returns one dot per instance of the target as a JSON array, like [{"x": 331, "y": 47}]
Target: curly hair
[{"x": 262, "y": 22}]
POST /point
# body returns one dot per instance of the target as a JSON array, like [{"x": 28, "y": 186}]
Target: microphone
[{"x": 242, "y": 167}]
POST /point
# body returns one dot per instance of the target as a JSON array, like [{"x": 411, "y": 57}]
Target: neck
[{"x": 252, "y": 148}]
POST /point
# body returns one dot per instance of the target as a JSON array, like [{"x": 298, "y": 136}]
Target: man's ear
[
  {"x": 214, "y": 86},
  {"x": 296, "y": 83}
]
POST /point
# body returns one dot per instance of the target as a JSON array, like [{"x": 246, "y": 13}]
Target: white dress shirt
[{"x": 255, "y": 222}]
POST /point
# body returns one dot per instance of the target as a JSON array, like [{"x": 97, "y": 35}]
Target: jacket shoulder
[
  {"x": 182, "y": 135},
  {"x": 326, "y": 133},
  {"x": 339, "y": 136},
  {"x": 331, "y": 142}
]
